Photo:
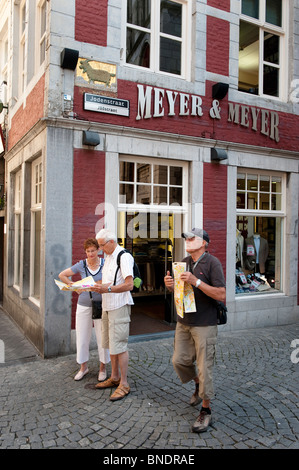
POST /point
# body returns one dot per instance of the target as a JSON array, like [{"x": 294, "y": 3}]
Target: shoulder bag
[{"x": 95, "y": 304}]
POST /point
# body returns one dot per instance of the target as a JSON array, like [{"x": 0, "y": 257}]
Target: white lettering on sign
[
  {"x": 239, "y": 114},
  {"x": 153, "y": 103},
  {"x": 187, "y": 104}
]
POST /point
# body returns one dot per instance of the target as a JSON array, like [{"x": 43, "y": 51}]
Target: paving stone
[{"x": 256, "y": 403}]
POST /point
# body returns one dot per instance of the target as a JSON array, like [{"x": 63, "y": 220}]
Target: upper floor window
[
  {"x": 22, "y": 56},
  {"x": 261, "y": 47},
  {"x": 3, "y": 68},
  {"x": 156, "y": 35},
  {"x": 42, "y": 30}
]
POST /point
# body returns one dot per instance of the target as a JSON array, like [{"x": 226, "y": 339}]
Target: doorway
[{"x": 153, "y": 309}]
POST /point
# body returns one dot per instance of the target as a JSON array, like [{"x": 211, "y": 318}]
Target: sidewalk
[{"x": 256, "y": 403}]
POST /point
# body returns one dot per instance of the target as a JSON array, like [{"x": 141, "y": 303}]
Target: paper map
[
  {"x": 85, "y": 283},
  {"x": 183, "y": 291}
]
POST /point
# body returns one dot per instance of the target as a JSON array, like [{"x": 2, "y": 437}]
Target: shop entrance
[{"x": 150, "y": 238}]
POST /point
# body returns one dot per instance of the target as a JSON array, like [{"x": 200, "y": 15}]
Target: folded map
[{"x": 83, "y": 284}]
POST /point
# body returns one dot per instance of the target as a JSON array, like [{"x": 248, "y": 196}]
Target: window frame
[
  {"x": 260, "y": 213},
  {"x": 22, "y": 46},
  {"x": 156, "y": 34},
  {"x": 183, "y": 208},
  {"x": 41, "y": 35},
  {"x": 17, "y": 229},
  {"x": 280, "y": 31},
  {"x": 36, "y": 206}
]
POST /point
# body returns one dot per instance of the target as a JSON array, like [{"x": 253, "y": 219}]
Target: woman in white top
[{"x": 84, "y": 319}]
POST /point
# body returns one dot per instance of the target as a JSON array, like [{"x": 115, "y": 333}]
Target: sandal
[
  {"x": 120, "y": 392},
  {"x": 109, "y": 383}
]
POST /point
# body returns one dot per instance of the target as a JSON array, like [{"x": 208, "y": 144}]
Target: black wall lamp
[
  {"x": 90, "y": 138},
  {"x": 219, "y": 90},
  {"x": 218, "y": 154},
  {"x": 69, "y": 58}
]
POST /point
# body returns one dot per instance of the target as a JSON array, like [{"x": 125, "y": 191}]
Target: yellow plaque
[{"x": 95, "y": 72}]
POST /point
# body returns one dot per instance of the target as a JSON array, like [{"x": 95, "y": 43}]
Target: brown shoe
[
  {"x": 109, "y": 383},
  {"x": 203, "y": 422},
  {"x": 120, "y": 392}
]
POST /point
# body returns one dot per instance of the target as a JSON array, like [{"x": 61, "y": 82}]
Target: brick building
[{"x": 149, "y": 118}]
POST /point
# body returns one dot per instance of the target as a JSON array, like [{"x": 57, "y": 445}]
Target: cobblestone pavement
[{"x": 256, "y": 404}]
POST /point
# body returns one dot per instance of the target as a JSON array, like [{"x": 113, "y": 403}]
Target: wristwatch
[
  {"x": 109, "y": 289},
  {"x": 198, "y": 282}
]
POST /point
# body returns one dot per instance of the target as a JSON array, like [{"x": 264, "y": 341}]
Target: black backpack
[{"x": 136, "y": 273}]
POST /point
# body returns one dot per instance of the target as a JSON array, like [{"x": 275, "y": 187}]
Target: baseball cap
[{"x": 197, "y": 232}]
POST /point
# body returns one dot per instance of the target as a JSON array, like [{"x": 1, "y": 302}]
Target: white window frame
[
  {"x": 3, "y": 68},
  {"x": 36, "y": 206},
  {"x": 22, "y": 46},
  {"x": 281, "y": 214},
  {"x": 283, "y": 51},
  {"x": 17, "y": 228},
  {"x": 41, "y": 34},
  {"x": 155, "y": 39},
  {"x": 156, "y": 207}
]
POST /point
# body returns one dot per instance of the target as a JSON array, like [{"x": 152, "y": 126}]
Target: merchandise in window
[
  {"x": 258, "y": 254},
  {"x": 259, "y": 233}
]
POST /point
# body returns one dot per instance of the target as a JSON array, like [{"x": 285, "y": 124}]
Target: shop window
[
  {"x": 17, "y": 230},
  {"x": 150, "y": 184},
  {"x": 261, "y": 45},
  {"x": 151, "y": 211},
  {"x": 156, "y": 35},
  {"x": 259, "y": 233},
  {"x": 35, "y": 242}
]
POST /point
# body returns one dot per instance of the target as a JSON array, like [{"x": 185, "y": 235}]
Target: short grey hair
[{"x": 107, "y": 235}]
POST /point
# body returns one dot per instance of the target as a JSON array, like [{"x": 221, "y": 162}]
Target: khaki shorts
[
  {"x": 194, "y": 355},
  {"x": 115, "y": 329}
]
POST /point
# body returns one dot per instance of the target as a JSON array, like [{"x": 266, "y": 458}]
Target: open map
[
  {"x": 183, "y": 291},
  {"x": 83, "y": 284}
]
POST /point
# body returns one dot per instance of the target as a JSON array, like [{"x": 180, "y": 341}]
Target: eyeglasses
[{"x": 103, "y": 244}]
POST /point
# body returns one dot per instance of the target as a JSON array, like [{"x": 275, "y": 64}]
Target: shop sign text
[{"x": 191, "y": 105}]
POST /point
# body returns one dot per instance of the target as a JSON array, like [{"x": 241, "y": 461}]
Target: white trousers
[{"x": 84, "y": 323}]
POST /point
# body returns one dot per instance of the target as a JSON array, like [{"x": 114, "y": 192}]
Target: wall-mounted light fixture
[
  {"x": 69, "y": 58},
  {"x": 90, "y": 138},
  {"x": 218, "y": 154},
  {"x": 219, "y": 90}
]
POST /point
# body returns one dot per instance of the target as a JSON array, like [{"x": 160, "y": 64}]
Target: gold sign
[{"x": 96, "y": 73}]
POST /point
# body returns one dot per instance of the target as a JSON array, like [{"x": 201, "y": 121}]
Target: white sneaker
[
  {"x": 81, "y": 374},
  {"x": 102, "y": 376}
]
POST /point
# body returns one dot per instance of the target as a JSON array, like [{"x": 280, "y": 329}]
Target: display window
[
  {"x": 152, "y": 213},
  {"x": 259, "y": 233}
]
